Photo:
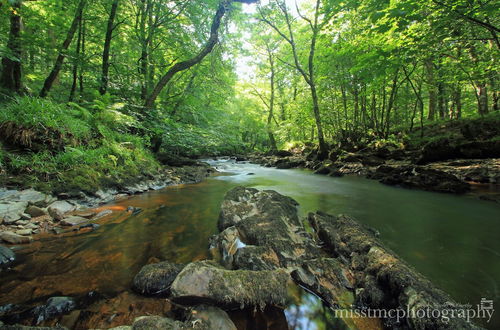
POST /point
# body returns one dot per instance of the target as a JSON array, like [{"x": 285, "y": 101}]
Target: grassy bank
[{"x": 67, "y": 147}]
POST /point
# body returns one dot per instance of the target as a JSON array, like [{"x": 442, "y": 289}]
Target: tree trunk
[
  {"x": 60, "y": 58},
  {"x": 82, "y": 54},
  {"x": 431, "y": 83},
  {"x": 11, "y": 76},
  {"x": 75, "y": 64},
  {"x": 184, "y": 65},
  {"x": 272, "y": 139},
  {"x": 107, "y": 46},
  {"x": 390, "y": 105},
  {"x": 482, "y": 98}
]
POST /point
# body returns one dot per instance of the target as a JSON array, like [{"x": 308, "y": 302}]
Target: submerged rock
[
  {"x": 205, "y": 281},
  {"x": 55, "y": 306},
  {"x": 6, "y": 256},
  {"x": 156, "y": 279}
]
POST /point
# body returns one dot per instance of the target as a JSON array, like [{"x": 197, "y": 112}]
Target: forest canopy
[{"x": 226, "y": 77}]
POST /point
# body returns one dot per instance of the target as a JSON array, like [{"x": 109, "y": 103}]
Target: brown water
[{"x": 453, "y": 240}]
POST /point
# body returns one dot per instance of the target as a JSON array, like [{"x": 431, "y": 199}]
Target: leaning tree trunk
[
  {"x": 11, "y": 76},
  {"x": 107, "y": 46},
  {"x": 60, "y": 58},
  {"x": 207, "y": 49}
]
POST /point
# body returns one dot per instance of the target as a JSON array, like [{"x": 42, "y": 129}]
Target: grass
[{"x": 68, "y": 148}]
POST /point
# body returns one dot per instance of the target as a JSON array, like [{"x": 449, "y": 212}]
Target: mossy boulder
[
  {"x": 156, "y": 279},
  {"x": 208, "y": 282}
]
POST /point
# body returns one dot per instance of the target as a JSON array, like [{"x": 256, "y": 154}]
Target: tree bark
[
  {"x": 60, "y": 58},
  {"x": 184, "y": 65},
  {"x": 107, "y": 46},
  {"x": 11, "y": 76},
  {"x": 431, "y": 83},
  {"x": 75, "y": 64},
  {"x": 272, "y": 139}
]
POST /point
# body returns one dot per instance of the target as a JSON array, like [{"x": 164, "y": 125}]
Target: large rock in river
[
  {"x": 266, "y": 219},
  {"x": 156, "y": 279},
  {"x": 206, "y": 281},
  {"x": 383, "y": 280}
]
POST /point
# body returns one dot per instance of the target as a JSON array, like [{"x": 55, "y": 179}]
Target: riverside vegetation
[{"x": 102, "y": 100}]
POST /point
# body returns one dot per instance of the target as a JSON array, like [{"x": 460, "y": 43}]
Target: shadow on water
[{"x": 451, "y": 239}]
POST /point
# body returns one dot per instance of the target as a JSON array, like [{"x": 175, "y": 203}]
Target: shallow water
[{"x": 454, "y": 240}]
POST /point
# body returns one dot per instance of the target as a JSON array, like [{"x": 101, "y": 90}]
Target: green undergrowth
[
  {"x": 70, "y": 148},
  {"x": 482, "y": 128}
]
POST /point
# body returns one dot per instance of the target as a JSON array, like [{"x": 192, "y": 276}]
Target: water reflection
[{"x": 451, "y": 239}]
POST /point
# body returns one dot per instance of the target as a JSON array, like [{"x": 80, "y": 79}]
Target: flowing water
[{"x": 454, "y": 240}]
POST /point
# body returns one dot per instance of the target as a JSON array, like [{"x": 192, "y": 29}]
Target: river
[{"x": 453, "y": 240}]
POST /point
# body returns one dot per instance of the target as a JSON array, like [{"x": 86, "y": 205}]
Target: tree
[
  {"x": 11, "y": 75},
  {"x": 107, "y": 46},
  {"x": 307, "y": 74},
  {"x": 205, "y": 50},
  {"x": 47, "y": 85}
]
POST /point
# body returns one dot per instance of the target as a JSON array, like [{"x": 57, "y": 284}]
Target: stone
[
  {"x": 35, "y": 211},
  {"x": 73, "y": 220},
  {"x": 383, "y": 280},
  {"x": 22, "y": 222},
  {"x": 265, "y": 219},
  {"x": 10, "y": 212},
  {"x": 24, "y": 232},
  {"x": 210, "y": 317},
  {"x": 54, "y": 306},
  {"x": 256, "y": 258},
  {"x": 205, "y": 281},
  {"x": 58, "y": 208},
  {"x": 329, "y": 279},
  {"x": 156, "y": 279},
  {"x": 32, "y": 197},
  {"x": 419, "y": 177},
  {"x": 241, "y": 203},
  {"x": 13, "y": 238},
  {"x": 156, "y": 323},
  {"x": 7, "y": 256},
  {"x": 25, "y": 216}
]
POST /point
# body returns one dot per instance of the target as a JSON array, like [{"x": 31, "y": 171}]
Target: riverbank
[{"x": 27, "y": 213}]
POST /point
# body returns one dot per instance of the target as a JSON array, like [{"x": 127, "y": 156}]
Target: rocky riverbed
[
  {"x": 26, "y": 213},
  {"x": 262, "y": 250}
]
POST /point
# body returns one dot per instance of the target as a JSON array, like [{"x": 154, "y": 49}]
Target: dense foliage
[{"x": 106, "y": 85}]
